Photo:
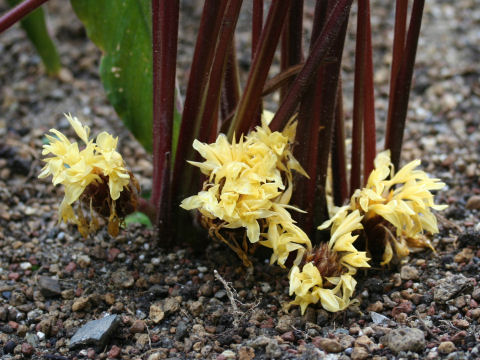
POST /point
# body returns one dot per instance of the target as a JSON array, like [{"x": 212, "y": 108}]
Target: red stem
[
  {"x": 257, "y": 24},
  {"x": 244, "y": 117},
  {"x": 213, "y": 11},
  {"x": 211, "y": 100},
  {"x": 398, "y": 48},
  {"x": 315, "y": 130},
  {"x": 292, "y": 41},
  {"x": 339, "y": 165},
  {"x": 165, "y": 35},
  {"x": 329, "y": 33},
  {"x": 369, "y": 129},
  {"x": 231, "y": 84},
  {"x": 308, "y": 130},
  {"x": 397, "y": 57},
  {"x": 18, "y": 13},
  {"x": 396, "y": 125},
  {"x": 363, "y": 109}
]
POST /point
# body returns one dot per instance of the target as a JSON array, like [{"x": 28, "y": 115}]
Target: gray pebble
[
  {"x": 451, "y": 286},
  {"x": 404, "y": 339},
  {"x": 95, "y": 333},
  {"x": 49, "y": 287}
]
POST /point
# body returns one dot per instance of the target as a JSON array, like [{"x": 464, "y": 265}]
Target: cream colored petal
[{"x": 83, "y": 132}]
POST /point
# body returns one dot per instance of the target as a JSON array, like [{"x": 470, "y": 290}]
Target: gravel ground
[{"x": 152, "y": 304}]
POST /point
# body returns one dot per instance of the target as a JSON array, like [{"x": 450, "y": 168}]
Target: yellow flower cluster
[
  {"x": 399, "y": 206},
  {"x": 391, "y": 214},
  {"x": 249, "y": 186},
  {"x": 332, "y": 286},
  {"x": 96, "y": 174}
]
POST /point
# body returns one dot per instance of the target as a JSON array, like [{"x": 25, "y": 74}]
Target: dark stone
[
  {"x": 225, "y": 339},
  {"x": 9, "y": 346},
  {"x": 374, "y": 285},
  {"x": 158, "y": 291},
  {"x": 181, "y": 330},
  {"x": 447, "y": 259},
  {"x": 95, "y": 333},
  {"x": 49, "y": 287},
  {"x": 470, "y": 238}
]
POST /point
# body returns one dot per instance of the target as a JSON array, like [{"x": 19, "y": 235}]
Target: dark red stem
[
  {"x": 18, "y": 13},
  {"x": 329, "y": 33},
  {"x": 211, "y": 99},
  {"x": 315, "y": 131},
  {"x": 231, "y": 84},
  {"x": 339, "y": 163},
  {"x": 244, "y": 117},
  {"x": 363, "y": 97},
  {"x": 257, "y": 24},
  {"x": 208, "y": 31},
  {"x": 165, "y": 35},
  {"x": 369, "y": 128},
  {"x": 396, "y": 125},
  {"x": 400, "y": 33},
  {"x": 292, "y": 41}
]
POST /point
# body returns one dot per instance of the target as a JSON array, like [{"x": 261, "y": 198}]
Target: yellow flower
[
  {"x": 327, "y": 274},
  {"x": 308, "y": 287},
  {"x": 249, "y": 186},
  {"x": 284, "y": 237},
  {"x": 96, "y": 175},
  {"x": 404, "y": 202}
]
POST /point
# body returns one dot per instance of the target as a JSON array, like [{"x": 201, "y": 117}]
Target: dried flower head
[
  {"x": 249, "y": 186},
  {"x": 95, "y": 174}
]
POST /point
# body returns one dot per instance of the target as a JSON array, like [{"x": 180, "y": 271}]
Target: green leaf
[
  {"x": 122, "y": 30},
  {"x": 36, "y": 29},
  {"x": 138, "y": 218}
]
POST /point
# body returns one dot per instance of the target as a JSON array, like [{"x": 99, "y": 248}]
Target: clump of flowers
[
  {"x": 396, "y": 209},
  {"x": 327, "y": 272},
  {"x": 96, "y": 175},
  {"x": 249, "y": 185}
]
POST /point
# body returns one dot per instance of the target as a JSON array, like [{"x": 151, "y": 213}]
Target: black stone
[{"x": 9, "y": 347}]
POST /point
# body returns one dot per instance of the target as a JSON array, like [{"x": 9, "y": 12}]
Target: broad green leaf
[
  {"x": 122, "y": 30},
  {"x": 138, "y": 218},
  {"x": 36, "y": 29}
]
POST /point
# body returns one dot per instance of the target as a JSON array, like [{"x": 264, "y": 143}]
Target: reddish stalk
[
  {"x": 329, "y": 33},
  {"x": 292, "y": 41},
  {"x": 396, "y": 125},
  {"x": 369, "y": 128},
  {"x": 199, "y": 73},
  {"x": 165, "y": 29},
  {"x": 281, "y": 79},
  {"x": 244, "y": 117},
  {"x": 363, "y": 101},
  {"x": 211, "y": 99},
  {"x": 231, "y": 84},
  {"x": 339, "y": 165},
  {"x": 257, "y": 24},
  {"x": 308, "y": 129},
  {"x": 398, "y": 47},
  {"x": 315, "y": 128},
  {"x": 18, "y": 13}
]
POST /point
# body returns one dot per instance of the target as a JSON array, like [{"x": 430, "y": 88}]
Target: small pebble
[{"x": 446, "y": 347}]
